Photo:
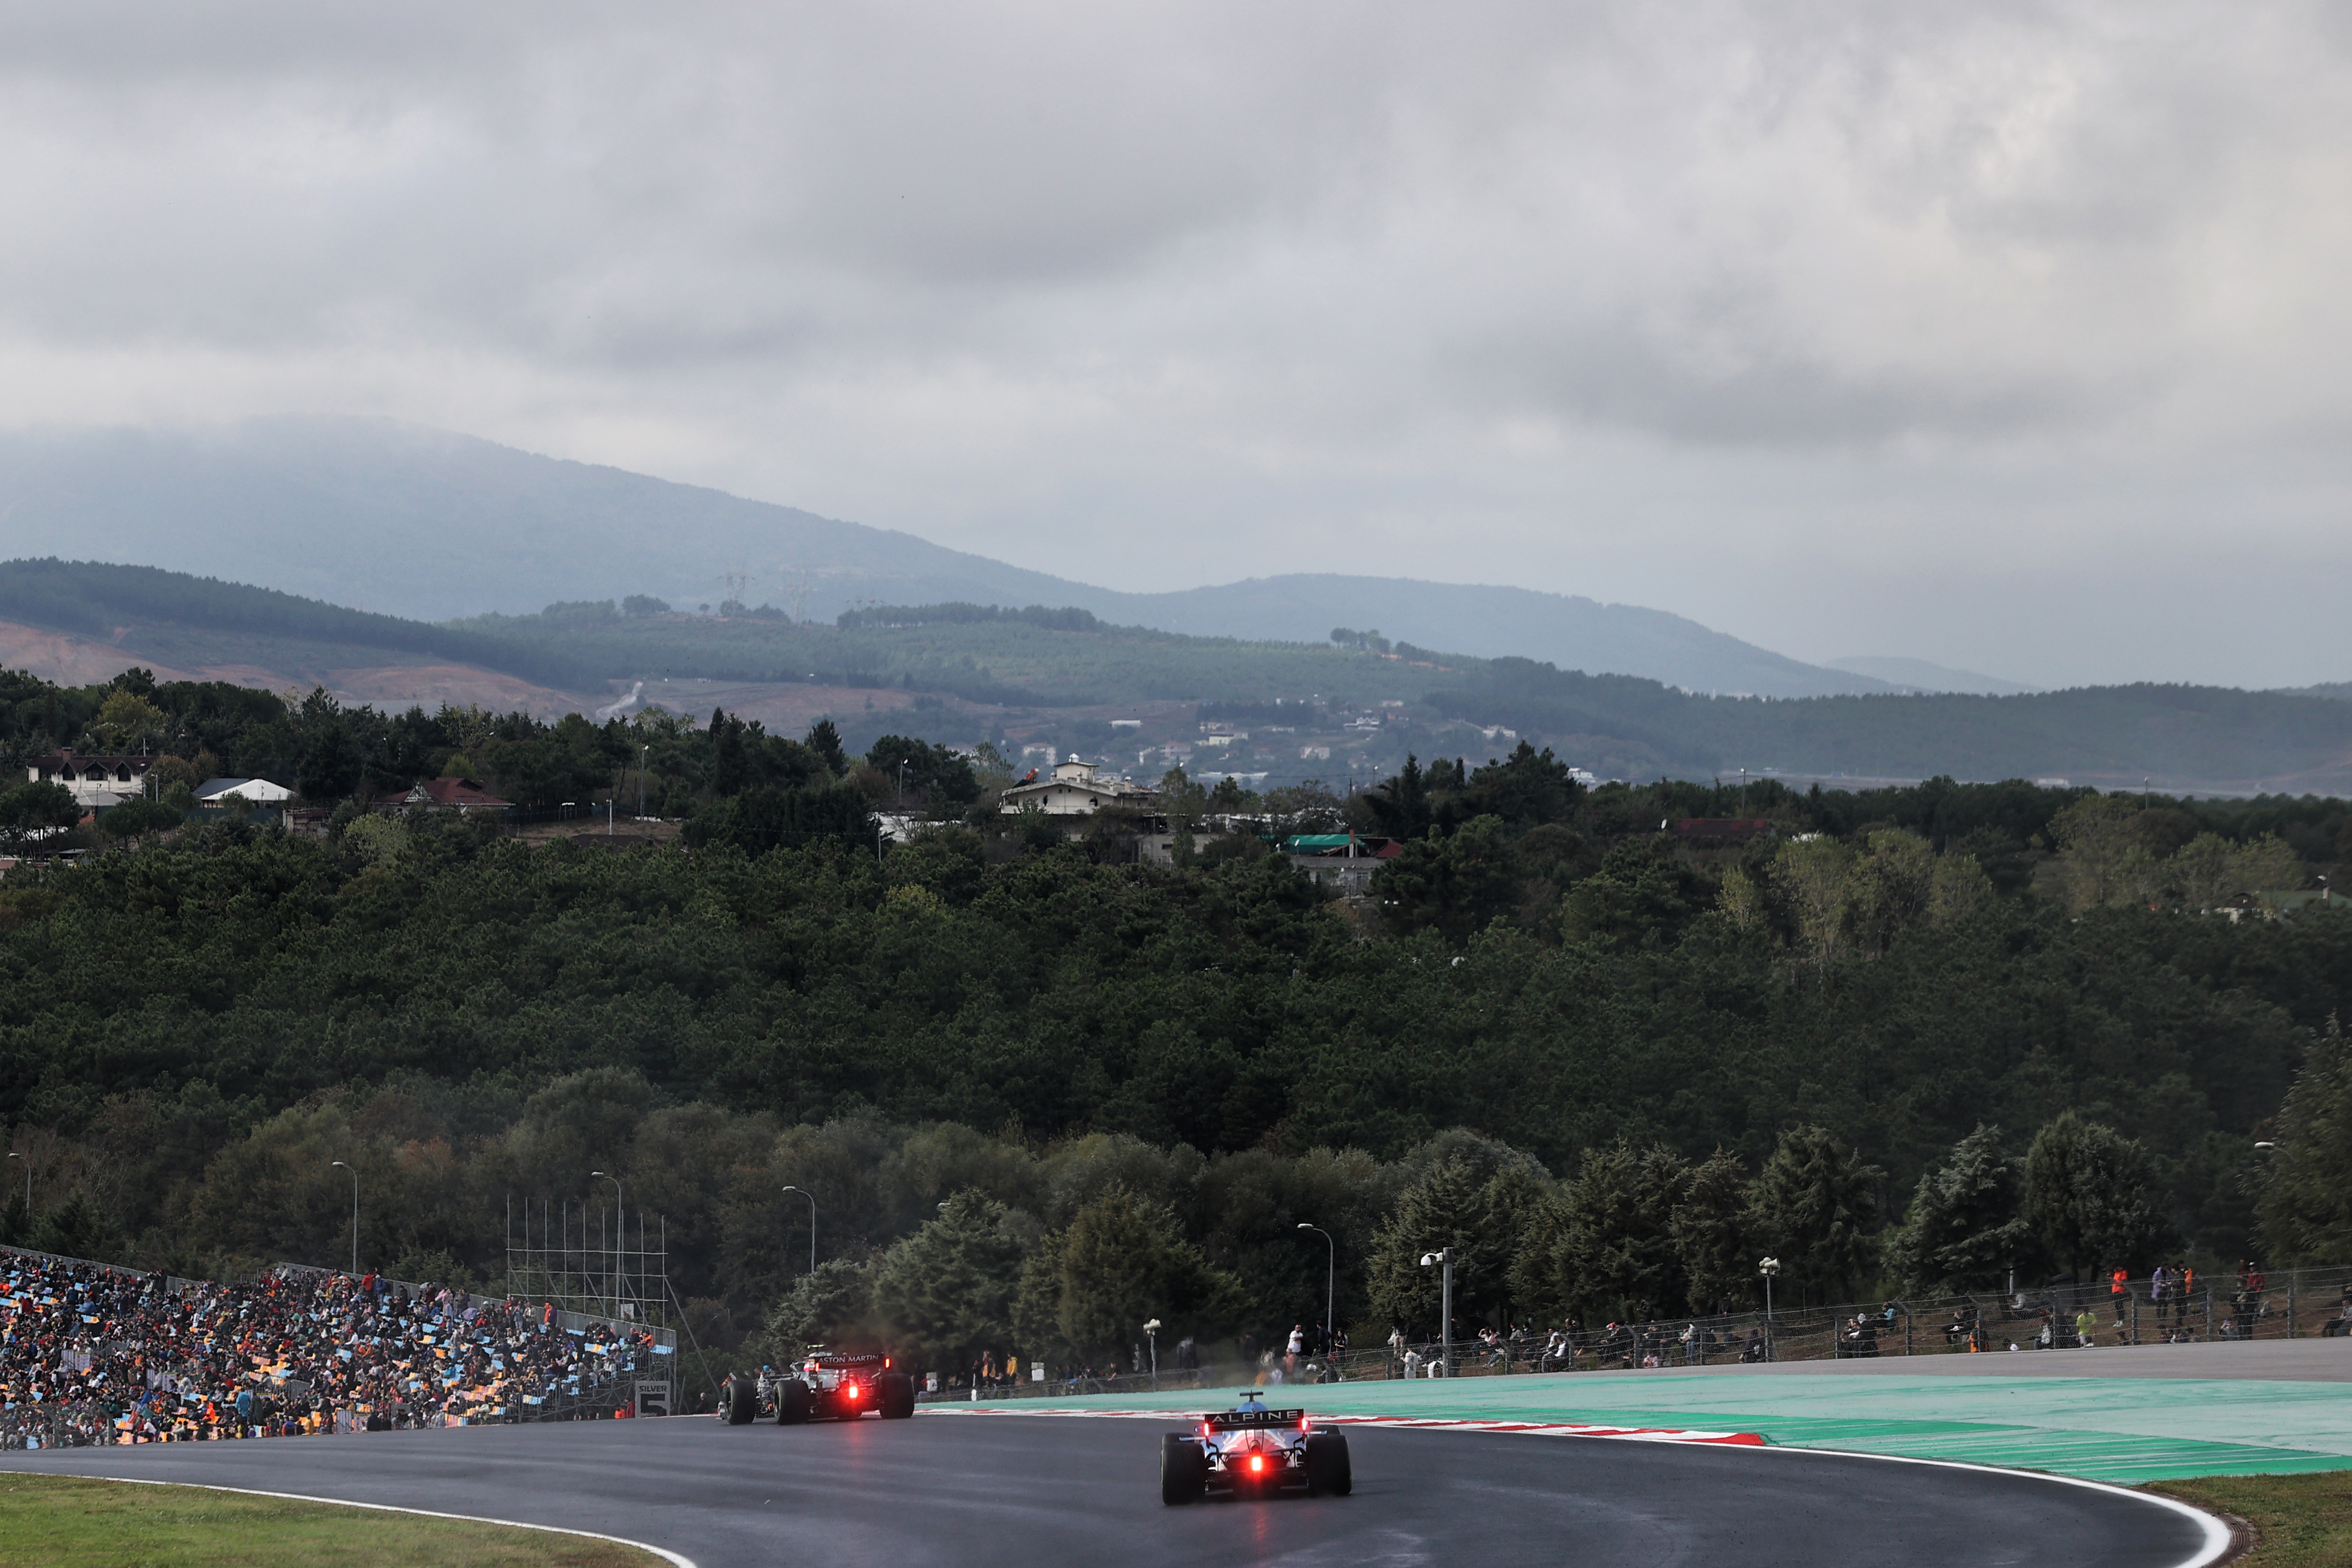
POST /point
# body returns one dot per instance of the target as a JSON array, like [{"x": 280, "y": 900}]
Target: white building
[
  {"x": 256, "y": 792},
  {"x": 93, "y": 782},
  {"x": 1074, "y": 789}
]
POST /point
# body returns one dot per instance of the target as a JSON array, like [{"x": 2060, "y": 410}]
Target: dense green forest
[
  {"x": 1031, "y": 658},
  {"x": 1611, "y": 1064},
  {"x": 2179, "y": 731},
  {"x": 93, "y": 598}
]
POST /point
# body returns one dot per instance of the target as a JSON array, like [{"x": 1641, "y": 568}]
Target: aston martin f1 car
[
  {"x": 1251, "y": 1451},
  {"x": 825, "y": 1388}
]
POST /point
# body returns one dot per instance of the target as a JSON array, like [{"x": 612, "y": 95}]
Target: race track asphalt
[{"x": 1042, "y": 1491}]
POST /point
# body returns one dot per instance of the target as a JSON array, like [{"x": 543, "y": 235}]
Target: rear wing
[{"x": 1244, "y": 1420}]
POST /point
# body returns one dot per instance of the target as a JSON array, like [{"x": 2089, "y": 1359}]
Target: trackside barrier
[{"x": 2290, "y": 1304}]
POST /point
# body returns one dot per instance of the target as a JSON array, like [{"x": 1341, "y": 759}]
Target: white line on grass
[{"x": 663, "y": 1552}]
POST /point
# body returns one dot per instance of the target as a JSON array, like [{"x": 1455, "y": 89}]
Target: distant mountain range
[
  {"x": 1919, "y": 676},
  {"x": 1049, "y": 681},
  {"x": 431, "y": 526}
]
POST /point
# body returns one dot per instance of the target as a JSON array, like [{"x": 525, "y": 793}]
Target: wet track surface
[{"x": 1040, "y": 1493}]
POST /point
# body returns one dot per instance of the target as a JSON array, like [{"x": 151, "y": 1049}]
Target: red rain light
[
  {"x": 849, "y": 1390},
  {"x": 1257, "y": 1461}
]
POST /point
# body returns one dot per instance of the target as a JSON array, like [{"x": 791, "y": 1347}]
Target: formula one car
[
  {"x": 1251, "y": 1451},
  {"x": 828, "y": 1388}
]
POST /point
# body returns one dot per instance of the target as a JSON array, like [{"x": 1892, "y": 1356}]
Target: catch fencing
[{"x": 2310, "y": 1303}]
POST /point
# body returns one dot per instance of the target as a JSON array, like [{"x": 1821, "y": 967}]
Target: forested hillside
[
  {"x": 194, "y": 1024},
  {"x": 2180, "y": 732},
  {"x": 1034, "y": 657},
  {"x": 100, "y": 600}
]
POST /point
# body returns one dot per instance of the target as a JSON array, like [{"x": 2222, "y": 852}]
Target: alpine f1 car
[
  {"x": 1251, "y": 1451},
  {"x": 825, "y": 1388}
]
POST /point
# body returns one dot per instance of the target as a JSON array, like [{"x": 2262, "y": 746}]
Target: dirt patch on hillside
[
  {"x": 70, "y": 661},
  {"x": 392, "y": 687}
]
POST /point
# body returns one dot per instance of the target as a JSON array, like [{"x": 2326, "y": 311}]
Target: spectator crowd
[{"x": 90, "y": 1354}]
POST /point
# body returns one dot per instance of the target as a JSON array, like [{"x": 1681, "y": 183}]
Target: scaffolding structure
[{"x": 580, "y": 1258}]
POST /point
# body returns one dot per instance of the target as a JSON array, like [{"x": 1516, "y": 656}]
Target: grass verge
[
  {"x": 2299, "y": 1522},
  {"x": 46, "y": 1521}
]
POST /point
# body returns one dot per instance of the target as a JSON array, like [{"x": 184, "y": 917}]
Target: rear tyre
[
  {"x": 1183, "y": 1469},
  {"x": 894, "y": 1396},
  {"x": 739, "y": 1401},
  {"x": 1328, "y": 1469},
  {"x": 791, "y": 1402}
]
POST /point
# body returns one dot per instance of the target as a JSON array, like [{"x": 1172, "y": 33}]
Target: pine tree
[
  {"x": 944, "y": 1295},
  {"x": 1963, "y": 1231},
  {"x": 1606, "y": 1249},
  {"x": 2306, "y": 1208},
  {"x": 1817, "y": 1210},
  {"x": 1709, "y": 1228},
  {"x": 1121, "y": 1260},
  {"x": 1449, "y": 1207},
  {"x": 825, "y": 741},
  {"x": 2089, "y": 1196}
]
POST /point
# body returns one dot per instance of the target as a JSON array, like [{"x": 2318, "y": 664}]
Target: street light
[
  {"x": 355, "y": 1213},
  {"x": 616, "y": 1237},
  {"x": 1445, "y": 1309},
  {"x": 1330, "y": 1277},
  {"x": 1768, "y": 1267},
  {"x": 1152, "y": 1330},
  {"x": 811, "y": 1199}
]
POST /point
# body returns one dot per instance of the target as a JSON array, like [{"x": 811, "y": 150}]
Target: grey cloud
[{"x": 1262, "y": 268}]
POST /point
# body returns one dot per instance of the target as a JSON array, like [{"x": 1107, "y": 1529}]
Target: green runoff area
[
  {"x": 2156, "y": 1412},
  {"x": 49, "y": 1521}
]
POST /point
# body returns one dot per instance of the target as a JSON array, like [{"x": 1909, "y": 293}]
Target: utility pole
[
  {"x": 1330, "y": 1277},
  {"x": 1445, "y": 1309},
  {"x": 812, "y": 1202},
  {"x": 644, "y": 754}
]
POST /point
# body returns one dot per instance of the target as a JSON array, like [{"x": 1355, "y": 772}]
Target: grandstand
[{"x": 96, "y": 1353}]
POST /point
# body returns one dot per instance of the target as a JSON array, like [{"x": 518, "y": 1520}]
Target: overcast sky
[{"x": 2005, "y": 335}]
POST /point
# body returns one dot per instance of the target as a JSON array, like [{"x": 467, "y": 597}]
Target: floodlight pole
[
  {"x": 1330, "y": 1289},
  {"x": 812, "y": 1202},
  {"x": 1768, "y": 1267},
  {"x": 617, "y": 1225},
  {"x": 1445, "y": 1309},
  {"x": 355, "y": 1212},
  {"x": 1151, "y": 1330},
  {"x": 28, "y": 1183}
]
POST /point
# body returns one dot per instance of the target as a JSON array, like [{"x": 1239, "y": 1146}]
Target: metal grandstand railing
[{"x": 570, "y": 1401}]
